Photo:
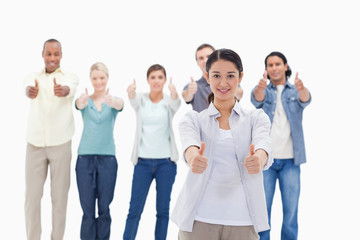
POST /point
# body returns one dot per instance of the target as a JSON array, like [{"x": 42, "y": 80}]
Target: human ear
[
  {"x": 207, "y": 78},
  {"x": 240, "y": 77}
]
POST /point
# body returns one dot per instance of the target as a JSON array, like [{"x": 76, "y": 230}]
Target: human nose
[{"x": 223, "y": 81}]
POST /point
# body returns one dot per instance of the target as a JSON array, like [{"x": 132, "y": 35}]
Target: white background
[{"x": 319, "y": 38}]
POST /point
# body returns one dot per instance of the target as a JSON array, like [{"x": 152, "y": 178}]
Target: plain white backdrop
[{"x": 319, "y": 38}]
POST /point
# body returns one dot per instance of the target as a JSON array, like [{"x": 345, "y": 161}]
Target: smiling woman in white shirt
[{"x": 226, "y": 148}]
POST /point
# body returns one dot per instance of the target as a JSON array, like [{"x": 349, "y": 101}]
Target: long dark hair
[
  {"x": 227, "y": 55},
  {"x": 282, "y": 56}
]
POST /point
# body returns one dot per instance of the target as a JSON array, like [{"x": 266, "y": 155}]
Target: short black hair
[{"x": 51, "y": 40}]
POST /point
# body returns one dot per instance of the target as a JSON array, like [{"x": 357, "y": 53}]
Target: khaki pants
[
  {"x": 36, "y": 168},
  {"x": 207, "y": 231}
]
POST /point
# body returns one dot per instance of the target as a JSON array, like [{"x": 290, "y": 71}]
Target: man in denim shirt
[{"x": 284, "y": 104}]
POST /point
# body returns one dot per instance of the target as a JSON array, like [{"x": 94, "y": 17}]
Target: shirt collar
[
  {"x": 214, "y": 112},
  {"x": 287, "y": 84},
  {"x": 56, "y": 71}
]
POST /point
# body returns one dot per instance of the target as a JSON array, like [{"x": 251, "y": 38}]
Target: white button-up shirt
[
  {"x": 247, "y": 127},
  {"x": 51, "y": 121}
]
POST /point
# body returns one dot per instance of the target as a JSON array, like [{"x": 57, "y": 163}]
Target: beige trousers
[
  {"x": 207, "y": 231},
  {"x": 36, "y": 168}
]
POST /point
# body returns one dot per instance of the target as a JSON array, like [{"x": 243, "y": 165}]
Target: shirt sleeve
[
  {"x": 29, "y": 81},
  {"x": 72, "y": 81},
  {"x": 256, "y": 103},
  {"x": 135, "y": 102},
  {"x": 261, "y": 134},
  {"x": 189, "y": 130},
  {"x": 174, "y": 104},
  {"x": 303, "y": 104}
]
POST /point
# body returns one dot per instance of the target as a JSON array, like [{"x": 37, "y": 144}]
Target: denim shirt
[
  {"x": 294, "y": 111},
  {"x": 247, "y": 127}
]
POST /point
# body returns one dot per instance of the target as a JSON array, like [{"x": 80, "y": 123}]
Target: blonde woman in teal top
[
  {"x": 96, "y": 166},
  {"x": 154, "y": 153}
]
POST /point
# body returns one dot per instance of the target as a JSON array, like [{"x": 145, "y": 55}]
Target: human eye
[{"x": 231, "y": 76}]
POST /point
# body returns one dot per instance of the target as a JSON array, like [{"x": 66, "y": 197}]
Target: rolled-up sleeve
[
  {"x": 303, "y": 104},
  {"x": 256, "y": 103},
  {"x": 261, "y": 134}
]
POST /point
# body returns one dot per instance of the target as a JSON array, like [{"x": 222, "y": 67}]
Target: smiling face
[
  {"x": 156, "y": 80},
  {"x": 223, "y": 78},
  {"x": 99, "y": 80},
  {"x": 52, "y": 55},
  {"x": 276, "y": 70}
]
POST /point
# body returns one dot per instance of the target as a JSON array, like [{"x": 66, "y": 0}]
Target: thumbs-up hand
[
  {"x": 131, "y": 90},
  {"x": 263, "y": 81},
  {"x": 259, "y": 92},
  {"x": 172, "y": 89},
  {"x": 304, "y": 94},
  {"x": 108, "y": 98},
  {"x": 31, "y": 91},
  {"x": 192, "y": 88},
  {"x": 252, "y": 162},
  {"x": 59, "y": 90},
  {"x": 298, "y": 83},
  {"x": 83, "y": 100},
  {"x": 196, "y": 159}
]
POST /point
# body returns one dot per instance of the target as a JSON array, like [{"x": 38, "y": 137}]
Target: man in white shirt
[{"x": 49, "y": 132}]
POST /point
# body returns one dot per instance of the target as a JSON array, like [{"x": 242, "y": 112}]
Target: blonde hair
[{"x": 100, "y": 67}]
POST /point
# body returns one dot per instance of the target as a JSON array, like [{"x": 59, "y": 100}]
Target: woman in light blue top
[
  {"x": 226, "y": 147},
  {"x": 154, "y": 153},
  {"x": 96, "y": 166}
]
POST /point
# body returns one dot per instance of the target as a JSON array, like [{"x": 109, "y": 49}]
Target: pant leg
[
  {"x": 202, "y": 231},
  {"x": 36, "y": 167},
  {"x": 165, "y": 178},
  {"x": 106, "y": 178},
  {"x": 142, "y": 178},
  {"x": 289, "y": 182},
  {"x": 239, "y": 233},
  {"x": 87, "y": 194},
  {"x": 270, "y": 177},
  {"x": 60, "y": 163}
]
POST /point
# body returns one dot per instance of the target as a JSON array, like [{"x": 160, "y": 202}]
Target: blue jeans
[
  {"x": 164, "y": 172},
  {"x": 96, "y": 177},
  {"x": 289, "y": 182}
]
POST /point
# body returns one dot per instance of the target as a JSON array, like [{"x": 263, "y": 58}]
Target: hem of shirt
[{"x": 223, "y": 221}]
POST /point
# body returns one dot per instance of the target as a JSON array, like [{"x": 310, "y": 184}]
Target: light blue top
[
  {"x": 137, "y": 103},
  {"x": 247, "y": 127},
  {"x": 97, "y": 136},
  {"x": 155, "y": 132},
  {"x": 294, "y": 111}
]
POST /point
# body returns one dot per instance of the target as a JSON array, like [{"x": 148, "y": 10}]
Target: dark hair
[
  {"x": 155, "y": 67},
  {"x": 227, "y": 55},
  {"x": 282, "y": 56},
  {"x": 202, "y": 46},
  {"x": 51, "y": 40}
]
